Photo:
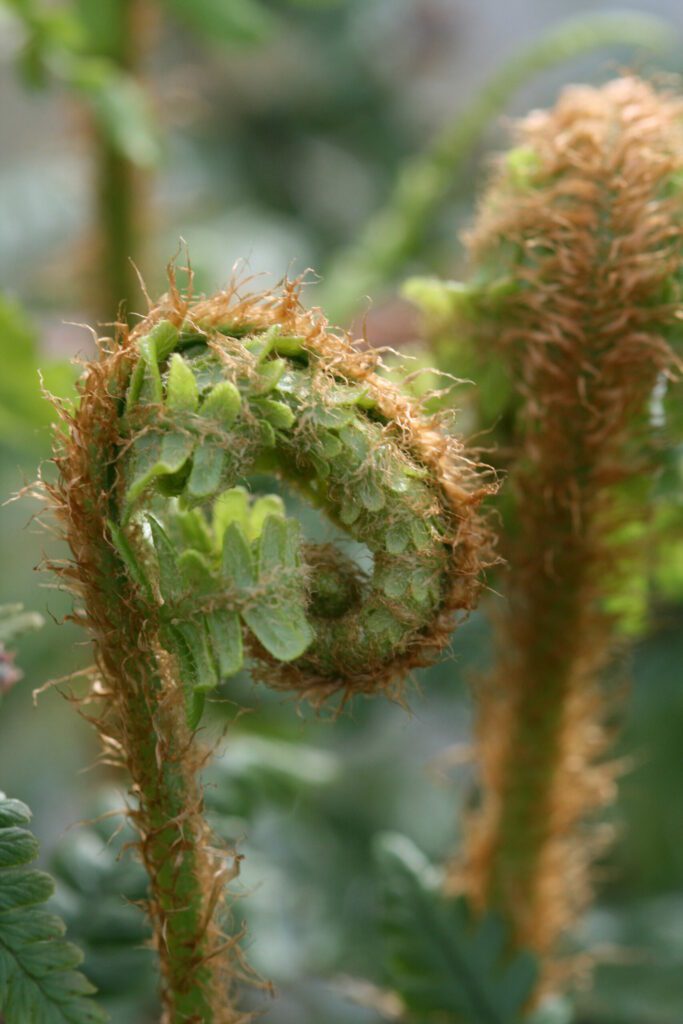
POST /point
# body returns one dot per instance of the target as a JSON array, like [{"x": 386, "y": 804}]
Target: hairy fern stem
[{"x": 577, "y": 290}]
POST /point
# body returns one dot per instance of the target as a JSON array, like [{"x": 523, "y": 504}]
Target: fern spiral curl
[
  {"x": 180, "y": 568},
  {"x": 234, "y": 391}
]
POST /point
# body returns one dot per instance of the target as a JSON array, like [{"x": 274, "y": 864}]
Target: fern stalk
[
  {"x": 180, "y": 571},
  {"x": 577, "y": 252},
  {"x": 120, "y": 213},
  {"x": 145, "y": 728}
]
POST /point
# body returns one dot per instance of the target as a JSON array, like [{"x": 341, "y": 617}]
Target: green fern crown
[{"x": 220, "y": 391}]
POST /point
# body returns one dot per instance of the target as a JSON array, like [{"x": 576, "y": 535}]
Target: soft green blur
[{"x": 270, "y": 135}]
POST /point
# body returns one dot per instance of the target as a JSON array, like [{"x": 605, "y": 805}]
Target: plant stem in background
[
  {"x": 579, "y": 240},
  {"x": 119, "y": 179},
  {"x": 394, "y": 234},
  {"x": 117, "y": 185}
]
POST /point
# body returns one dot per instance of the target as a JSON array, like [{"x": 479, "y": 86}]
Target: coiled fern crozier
[
  {"x": 180, "y": 569},
  {"x": 577, "y": 289}
]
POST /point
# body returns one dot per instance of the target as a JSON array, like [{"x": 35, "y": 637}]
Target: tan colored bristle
[{"x": 591, "y": 237}]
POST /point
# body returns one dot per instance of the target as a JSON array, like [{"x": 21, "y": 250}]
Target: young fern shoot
[
  {"x": 577, "y": 252},
  {"x": 181, "y": 570}
]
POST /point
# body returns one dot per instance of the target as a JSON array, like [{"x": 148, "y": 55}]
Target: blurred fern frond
[
  {"x": 24, "y": 413},
  {"x": 38, "y": 976},
  {"x": 446, "y": 965}
]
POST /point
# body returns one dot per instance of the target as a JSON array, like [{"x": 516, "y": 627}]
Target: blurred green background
[{"x": 268, "y": 135}]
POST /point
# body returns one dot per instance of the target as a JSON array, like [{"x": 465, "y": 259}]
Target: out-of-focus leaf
[
  {"x": 225, "y": 21},
  {"x": 61, "y": 45},
  {"x": 14, "y": 621},
  {"x": 445, "y": 964},
  {"x": 255, "y": 769},
  {"x": 99, "y": 885},
  {"x": 314, "y": 3},
  {"x": 120, "y": 106},
  {"x": 644, "y": 981},
  {"x": 555, "y": 1010},
  {"x": 38, "y": 976},
  {"x": 23, "y": 409}
]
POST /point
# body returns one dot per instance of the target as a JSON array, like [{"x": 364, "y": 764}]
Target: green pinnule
[{"x": 182, "y": 572}]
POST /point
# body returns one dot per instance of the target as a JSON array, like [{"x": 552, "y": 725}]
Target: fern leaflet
[{"x": 39, "y": 983}]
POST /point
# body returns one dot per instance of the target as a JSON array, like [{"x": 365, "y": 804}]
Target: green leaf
[
  {"x": 130, "y": 559},
  {"x": 100, "y": 887},
  {"x": 277, "y": 413},
  {"x": 225, "y": 21},
  {"x": 170, "y": 581},
  {"x": 277, "y": 615},
  {"x": 398, "y": 538},
  {"x": 226, "y": 635},
  {"x": 24, "y": 412},
  {"x": 230, "y": 507},
  {"x": 238, "y": 565},
  {"x": 271, "y": 546},
  {"x": 196, "y": 637},
  {"x": 196, "y": 572},
  {"x": 445, "y": 963},
  {"x": 17, "y": 846},
  {"x": 192, "y": 675},
  {"x": 38, "y": 982},
  {"x": 267, "y": 505},
  {"x": 152, "y": 387},
  {"x": 207, "y": 469},
  {"x": 13, "y": 812},
  {"x": 288, "y": 345},
  {"x": 195, "y": 529},
  {"x": 182, "y": 393},
  {"x": 176, "y": 448},
  {"x": 222, "y": 404},
  {"x": 269, "y": 376},
  {"x": 370, "y": 494},
  {"x": 118, "y": 103},
  {"x": 262, "y": 343},
  {"x": 282, "y": 629}
]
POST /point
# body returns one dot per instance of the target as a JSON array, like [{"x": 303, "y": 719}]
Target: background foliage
[{"x": 271, "y": 131}]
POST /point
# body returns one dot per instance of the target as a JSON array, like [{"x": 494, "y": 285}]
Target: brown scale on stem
[{"x": 580, "y": 235}]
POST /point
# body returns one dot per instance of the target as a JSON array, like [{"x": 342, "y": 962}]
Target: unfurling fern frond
[
  {"x": 182, "y": 569},
  {"x": 39, "y": 983}
]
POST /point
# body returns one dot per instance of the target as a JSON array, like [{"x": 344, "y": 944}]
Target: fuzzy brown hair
[{"x": 590, "y": 237}]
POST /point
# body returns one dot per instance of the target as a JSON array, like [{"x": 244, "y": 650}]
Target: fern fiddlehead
[
  {"x": 180, "y": 569},
  {"x": 577, "y": 292}
]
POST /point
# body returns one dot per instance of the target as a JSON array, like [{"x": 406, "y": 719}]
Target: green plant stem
[
  {"x": 535, "y": 756},
  {"x": 143, "y": 724},
  {"x": 119, "y": 182},
  {"x": 172, "y": 832},
  {"x": 394, "y": 234},
  {"x": 118, "y": 219}
]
